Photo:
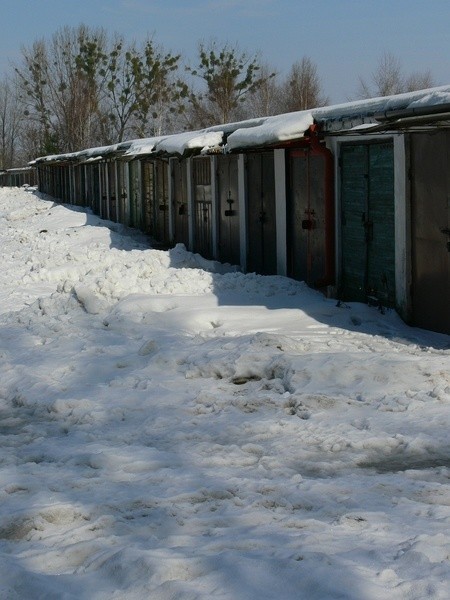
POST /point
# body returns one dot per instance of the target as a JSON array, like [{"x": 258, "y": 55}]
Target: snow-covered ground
[{"x": 171, "y": 430}]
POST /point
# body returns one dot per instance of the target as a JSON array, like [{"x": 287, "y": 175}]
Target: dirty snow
[{"x": 171, "y": 430}]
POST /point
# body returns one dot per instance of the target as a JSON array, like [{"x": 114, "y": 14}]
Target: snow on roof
[
  {"x": 372, "y": 106},
  {"x": 15, "y": 170},
  {"x": 177, "y": 143},
  {"x": 263, "y": 131},
  {"x": 143, "y": 146},
  {"x": 100, "y": 151},
  {"x": 181, "y": 142},
  {"x": 86, "y": 154},
  {"x": 279, "y": 128},
  {"x": 432, "y": 97}
]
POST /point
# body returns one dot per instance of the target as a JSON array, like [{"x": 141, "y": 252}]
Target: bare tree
[
  {"x": 83, "y": 89},
  {"x": 267, "y": 99},
  {"x": 389, "y": 79},
  {"x": 10, "y": 122},
  {"x": 33, "y": 77},
  {"x": 73, "y": 93},
  {"x": 302, "y": 89},
  {"x": 57, "y": 94},
  {"x": 419, "y": 81}
]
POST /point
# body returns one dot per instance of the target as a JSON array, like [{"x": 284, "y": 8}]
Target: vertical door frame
[
  {"x": 402, "y": 221},
  {"x": 279, "y": 158},
  {"x": 242, "y": 203}
]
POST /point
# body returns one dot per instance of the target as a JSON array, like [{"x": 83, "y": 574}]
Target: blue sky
[{"x": 345, "y": 38}]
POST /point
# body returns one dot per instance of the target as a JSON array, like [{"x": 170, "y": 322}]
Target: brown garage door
[{"x": 430, "y": 168}]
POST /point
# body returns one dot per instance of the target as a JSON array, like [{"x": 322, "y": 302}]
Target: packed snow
[{"x": 174, "y": 429}]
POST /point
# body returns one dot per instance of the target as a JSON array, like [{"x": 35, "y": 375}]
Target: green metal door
[{"x": 367, "y": 226}]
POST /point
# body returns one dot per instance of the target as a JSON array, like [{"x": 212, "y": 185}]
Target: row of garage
[
  {"x": 354, "y": 201},
  {"x": 18, "y": 177},
  {"x": 227, "y": 207}
]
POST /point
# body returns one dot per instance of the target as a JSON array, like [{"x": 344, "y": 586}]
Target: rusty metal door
[
  {"x": 227, "y": 182},
  {"x": 368, "y": 223},
  {"x": 430, "y": 170},
  {"x": 306, "y": 217},
  {"x": 201, "y": 172},
  {"x": 261, "y": 214},
  {"x": 180, "y": 204}
]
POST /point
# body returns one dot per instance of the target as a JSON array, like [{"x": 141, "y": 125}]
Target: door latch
[{"x": 230, "y": 212}]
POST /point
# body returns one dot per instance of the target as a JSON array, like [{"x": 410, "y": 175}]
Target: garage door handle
[{"x": 445, "y": 231}]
